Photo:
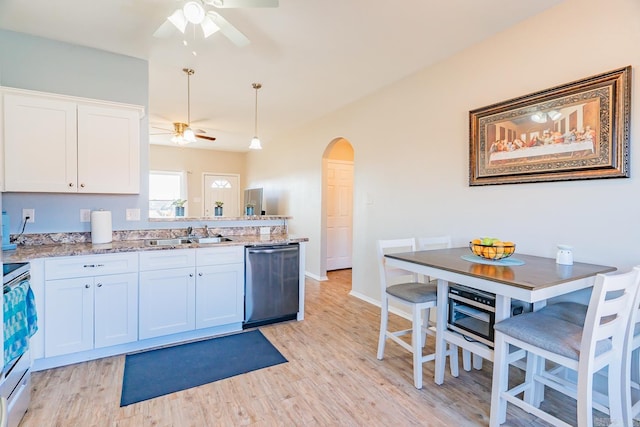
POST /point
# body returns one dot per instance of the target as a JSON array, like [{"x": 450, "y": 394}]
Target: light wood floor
[{"x": 332, "y": 379}]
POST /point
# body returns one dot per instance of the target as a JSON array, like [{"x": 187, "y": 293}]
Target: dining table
[{"x": 528, "y": 278}]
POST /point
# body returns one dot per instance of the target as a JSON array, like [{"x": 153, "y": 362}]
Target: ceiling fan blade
[
  {"x": 165, "y": 30},
  {"x": 210, "y": 138},
  {"x": 231, "y": 32},
  {"x": 229, "y": 4}
]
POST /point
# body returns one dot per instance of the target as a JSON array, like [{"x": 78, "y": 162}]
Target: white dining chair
[
  {"x": 631, "y": 366},
  {"x": 545, "y": 336},
  {"x": 404, "y": 287}
]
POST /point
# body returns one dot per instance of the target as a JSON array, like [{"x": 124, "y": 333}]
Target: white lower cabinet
[
  {"x": 167, "y": 301},
  {"x": 219, "y": 295},
  {"x": 93, "y": 311},
  {"x": 204, "y": 288}
]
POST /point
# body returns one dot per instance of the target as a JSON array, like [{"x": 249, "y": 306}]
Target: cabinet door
[
  {"x": 68, "y": 316},
  {"x": 167, "y": 302},
  {"x": 116, "y": 309},
  {"x": 108, "y": 150},
  {"x": 219, "y": 295},
  {"x": 40, "y": 144}
]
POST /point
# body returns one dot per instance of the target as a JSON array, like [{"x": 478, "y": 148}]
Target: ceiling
[{"x": 311, "y": 56}]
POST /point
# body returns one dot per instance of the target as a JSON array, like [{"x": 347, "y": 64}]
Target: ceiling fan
[
  {"x": 182, "y": 132},
  {"x": 193, "y": 12}
]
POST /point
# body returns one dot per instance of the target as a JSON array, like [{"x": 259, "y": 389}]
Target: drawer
[
  {"x": 171, "y": 258},
  {"x": 90, "y": 265},
  {"x": 221, "y": 255}
]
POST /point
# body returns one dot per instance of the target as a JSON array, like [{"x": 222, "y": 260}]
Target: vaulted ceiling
[{"x": 311, "y": 56}]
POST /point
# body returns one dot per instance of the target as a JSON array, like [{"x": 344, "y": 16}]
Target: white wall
[{"x": 411, "y": 150}]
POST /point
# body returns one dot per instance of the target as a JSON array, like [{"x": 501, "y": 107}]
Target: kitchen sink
[
  {"x": 169, "y": 242},
  {"x": 186, "y": 241},
  {"x": 217, "y": 239}
]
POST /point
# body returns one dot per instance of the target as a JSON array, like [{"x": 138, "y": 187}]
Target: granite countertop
[{"x": 28, "y": 252}]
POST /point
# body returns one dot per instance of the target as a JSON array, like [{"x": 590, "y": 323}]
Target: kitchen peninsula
[{"x": 105, "y": 299}]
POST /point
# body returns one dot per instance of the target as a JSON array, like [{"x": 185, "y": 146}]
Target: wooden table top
[{"x": 536, "y": 272}]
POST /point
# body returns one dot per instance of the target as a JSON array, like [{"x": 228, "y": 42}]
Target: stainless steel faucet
[
  {"x": 189, "y": 231},
  {"x": 206, "y": 230}
]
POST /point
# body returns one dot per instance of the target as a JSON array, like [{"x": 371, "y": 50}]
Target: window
[{"x": 164, "y": 188}]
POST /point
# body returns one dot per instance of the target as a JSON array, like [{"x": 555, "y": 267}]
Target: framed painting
[{"x": 578, "y": 130}]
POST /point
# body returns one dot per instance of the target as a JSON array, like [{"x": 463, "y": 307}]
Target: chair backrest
[
  {"x": 391, "y": 275},
  {"x": 612, "y": 300},
  {"x": 435, "y": 242}
]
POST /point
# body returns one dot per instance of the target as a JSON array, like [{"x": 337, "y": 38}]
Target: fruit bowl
[{"x": 494, "y": 251}]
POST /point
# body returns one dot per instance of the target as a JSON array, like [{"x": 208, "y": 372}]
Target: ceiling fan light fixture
[
  {"x": 178, "y": 19},
  {"x": 189, "y": 135},
  {"x": 193, "y": 12},
  {"x": 208, "y": 26}
]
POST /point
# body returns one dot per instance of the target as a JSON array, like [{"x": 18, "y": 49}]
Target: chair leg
[
  {"x": 585, "y": 396},
  {"x": 629, "y": 377},
  {"x": 477, "y": 362},
  {"x": 534, "y": 394},
  {"x": 453, "y": 360},
  {"x": 384, "y": 320},
  {"x": 416, "y": 345},
  {"x": 498, "y": 412},
  {"x": 466, "y": 360},
  {"x": 615, "y": 394},
  {"x": 425, "y": 325}
]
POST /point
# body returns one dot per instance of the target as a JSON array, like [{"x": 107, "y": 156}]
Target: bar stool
[
  {"x": 585, "y": 350},
  {"x": 404, "y": 287}
]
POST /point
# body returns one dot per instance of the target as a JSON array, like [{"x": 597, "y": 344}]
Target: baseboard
[{"x": 316, "y": 277}]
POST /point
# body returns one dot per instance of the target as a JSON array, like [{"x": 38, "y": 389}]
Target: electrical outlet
[
  {"x": 85, "y": 215},
  {"x": 265, "y": 230},
  {"x": 31, "y": 213},
  {"x": 133, "y": 214}
]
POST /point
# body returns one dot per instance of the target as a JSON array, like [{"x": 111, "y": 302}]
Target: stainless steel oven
[
  {"x": 15, "y": 382},
  {"x": 472, "y": 313}
]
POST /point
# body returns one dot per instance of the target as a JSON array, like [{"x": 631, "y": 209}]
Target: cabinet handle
[
  {"x": 87, "y": 286},
  {"x": 93, "y": 265},
  {"x": 81, "y": 185},
  {"x": 70, "y": 184},
  {"x": 99, "y": 285},
  {"x": 200, "y": 274},
  {"x": 190, "y": 274}
]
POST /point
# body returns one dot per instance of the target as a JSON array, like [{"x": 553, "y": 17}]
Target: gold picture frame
[{"x": 578, "y": 130}]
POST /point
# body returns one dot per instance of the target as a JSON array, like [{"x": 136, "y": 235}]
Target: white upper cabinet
[{"x": 54, "y": 143}]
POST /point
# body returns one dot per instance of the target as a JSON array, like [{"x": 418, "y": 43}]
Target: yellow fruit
[
  {"x": 499, "y": 250},
  {"x": 476, "y": 241}
]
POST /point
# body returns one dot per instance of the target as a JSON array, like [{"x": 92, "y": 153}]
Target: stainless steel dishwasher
[{"x": 272, "y": 284}]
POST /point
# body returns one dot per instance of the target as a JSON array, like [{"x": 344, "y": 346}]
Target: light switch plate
[
  {"x": 85, "y": 215},
  {"x": 133, "y": 214},
  {"x": 265, "y": 230}
]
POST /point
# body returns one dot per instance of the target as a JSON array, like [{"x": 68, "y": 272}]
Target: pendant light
[{"x": 255, "y": 142}]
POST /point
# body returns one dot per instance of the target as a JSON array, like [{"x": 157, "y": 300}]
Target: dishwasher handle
[{"x": 271, "y": 249}]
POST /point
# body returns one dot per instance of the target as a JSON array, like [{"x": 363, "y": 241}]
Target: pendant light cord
[{"x": 256, "y": 86}]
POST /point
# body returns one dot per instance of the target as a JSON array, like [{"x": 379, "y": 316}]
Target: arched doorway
[{"x": 337, "y": 202}]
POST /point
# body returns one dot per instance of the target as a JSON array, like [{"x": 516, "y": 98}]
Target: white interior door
[
  {"x": 224, "y": 188},
  {"x": 339, "y": 214}
]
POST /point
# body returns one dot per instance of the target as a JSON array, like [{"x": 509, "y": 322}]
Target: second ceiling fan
[{"x": 182, "y": 132}]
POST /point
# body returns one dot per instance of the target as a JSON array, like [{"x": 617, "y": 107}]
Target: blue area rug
[{"x": 158, "y": 372}]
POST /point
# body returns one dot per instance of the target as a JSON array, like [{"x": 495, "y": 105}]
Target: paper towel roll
[{"x": 101, "y": 227}]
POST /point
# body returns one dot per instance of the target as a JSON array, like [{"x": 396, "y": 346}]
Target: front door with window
[{"x": 224, "y": 188}]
